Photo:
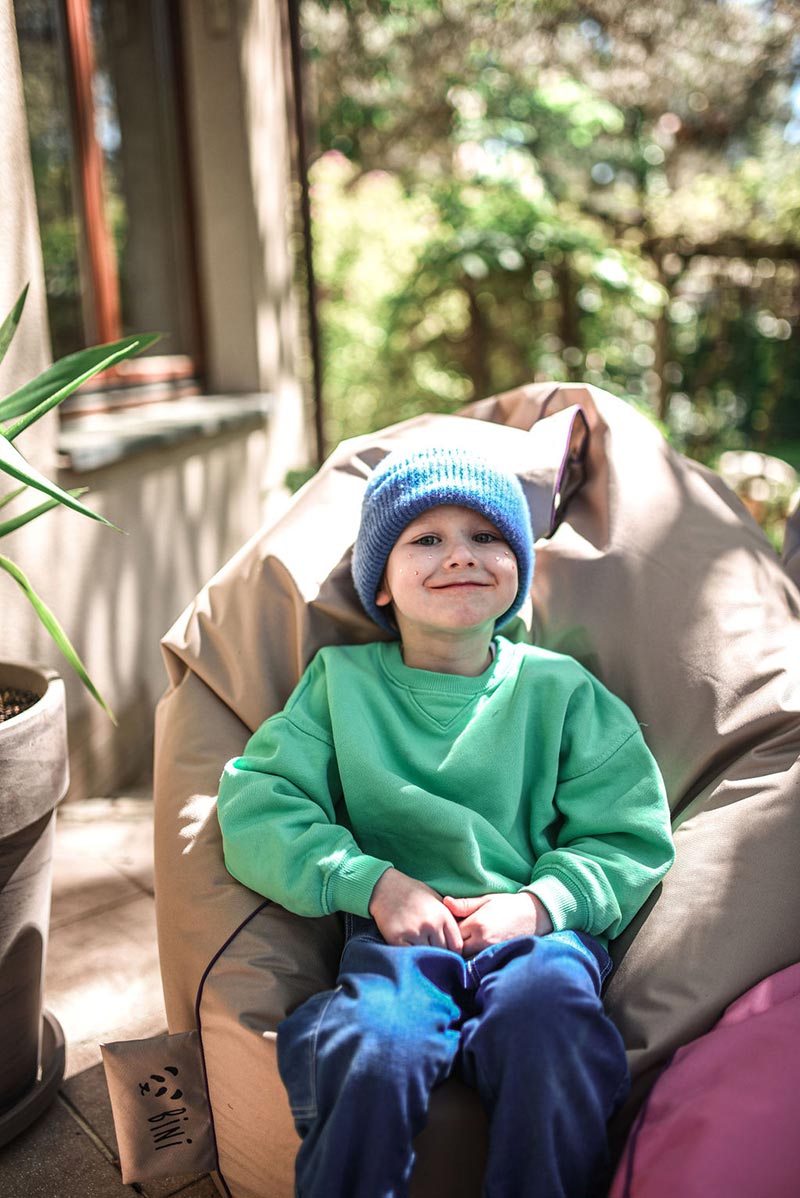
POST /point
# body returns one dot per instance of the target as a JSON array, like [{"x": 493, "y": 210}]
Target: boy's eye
[
  {"x": 485, "y": 538},
  {"x": 428, "y": 539}
]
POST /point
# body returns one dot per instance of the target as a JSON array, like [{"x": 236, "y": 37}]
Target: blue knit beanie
[{"x": 406, "y": 484}]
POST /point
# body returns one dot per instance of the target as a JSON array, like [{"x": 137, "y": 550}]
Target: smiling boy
[{"x": 486, "y": 815}]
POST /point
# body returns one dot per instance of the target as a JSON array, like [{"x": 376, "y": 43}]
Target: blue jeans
[{"x": 522, "y": 1022}]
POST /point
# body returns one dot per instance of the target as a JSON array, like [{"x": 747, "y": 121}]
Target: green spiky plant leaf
[
  {"x": 18, "y": 412},
  {"x": 55, "y": 630}
]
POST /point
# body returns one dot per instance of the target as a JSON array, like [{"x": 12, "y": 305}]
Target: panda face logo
[{"x": 161, "y": 1084}]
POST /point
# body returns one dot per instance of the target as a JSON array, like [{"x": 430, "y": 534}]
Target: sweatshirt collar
[{"x": 432, "y": 681}]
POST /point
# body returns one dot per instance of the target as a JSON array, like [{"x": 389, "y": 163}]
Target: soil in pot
[{"x": 13, "y": 701}]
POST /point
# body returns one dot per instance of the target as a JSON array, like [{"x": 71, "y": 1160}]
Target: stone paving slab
[
  {"x": 103, "y": 856},
  {"x": 54, "y": 1158},
  {"x": 103, "y": 982}
]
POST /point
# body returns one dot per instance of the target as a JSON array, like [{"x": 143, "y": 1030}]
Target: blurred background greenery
[{"x": 522, "y": 191}]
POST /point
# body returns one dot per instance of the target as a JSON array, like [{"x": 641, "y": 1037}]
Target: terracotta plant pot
[{"x": 34, "y": 775}]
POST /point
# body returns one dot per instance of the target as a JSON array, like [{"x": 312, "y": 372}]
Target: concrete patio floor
[{"x": 102, "y": 985}]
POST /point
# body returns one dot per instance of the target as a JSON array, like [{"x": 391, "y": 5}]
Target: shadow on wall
[{"x": 184, "y": 511}]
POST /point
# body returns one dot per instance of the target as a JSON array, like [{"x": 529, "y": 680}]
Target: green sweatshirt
[{"x": 531, "y": 776}]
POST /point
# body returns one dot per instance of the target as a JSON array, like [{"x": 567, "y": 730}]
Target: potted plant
[{"x": 34, "y": 770}]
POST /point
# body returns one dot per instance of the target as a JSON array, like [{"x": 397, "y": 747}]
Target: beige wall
[
  {"x": 20, "y": 251},
  {"x": 240, "y": 149},
  {"x": 21, "y": 258},
  {"x": 185, "y": 509}
]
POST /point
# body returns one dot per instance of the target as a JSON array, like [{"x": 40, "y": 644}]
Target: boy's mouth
[{"x": 458, "y": 584}]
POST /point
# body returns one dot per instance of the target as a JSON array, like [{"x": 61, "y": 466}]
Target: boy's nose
[{"x": 460, "y": 555}]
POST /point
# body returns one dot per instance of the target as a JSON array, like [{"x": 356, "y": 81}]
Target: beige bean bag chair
[{"x": 652, "y": 574}]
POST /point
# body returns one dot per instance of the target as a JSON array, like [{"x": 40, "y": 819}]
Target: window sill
[{"x": 91, "y": 442}]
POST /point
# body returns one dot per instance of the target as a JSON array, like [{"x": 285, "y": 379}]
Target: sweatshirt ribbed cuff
[
  {"x": 350, "y": 887},
  {"x": 564, "y": 909}
]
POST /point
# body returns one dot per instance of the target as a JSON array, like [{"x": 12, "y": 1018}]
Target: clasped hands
[{"x": 410, "y": 912}]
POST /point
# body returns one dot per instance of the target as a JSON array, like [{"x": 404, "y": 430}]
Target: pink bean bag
[{"x": 721, "y": 1121}]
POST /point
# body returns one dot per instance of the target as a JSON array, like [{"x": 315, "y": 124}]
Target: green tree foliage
[{"x": 604, "y": 191}]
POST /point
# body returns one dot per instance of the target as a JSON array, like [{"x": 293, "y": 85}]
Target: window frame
[{"x": 180, "y": 373}]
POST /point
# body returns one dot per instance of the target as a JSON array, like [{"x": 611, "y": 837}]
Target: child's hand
[
  {"x": 409, "y": 912},
  {"x": 492, "y": 918}
]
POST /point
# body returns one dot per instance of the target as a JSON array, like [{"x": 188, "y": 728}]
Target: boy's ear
[{"x": 383, "y": 595}]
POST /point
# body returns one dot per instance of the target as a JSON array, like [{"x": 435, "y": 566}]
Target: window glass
[
  {"x": 135, "y": 123},
  {"x": 137, "y": 243}
]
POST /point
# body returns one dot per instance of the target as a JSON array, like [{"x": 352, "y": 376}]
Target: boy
[{"x": 485, "y": 814}]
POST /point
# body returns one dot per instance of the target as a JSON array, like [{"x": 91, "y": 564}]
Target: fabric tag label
[{"x": 160, "y": 1104}]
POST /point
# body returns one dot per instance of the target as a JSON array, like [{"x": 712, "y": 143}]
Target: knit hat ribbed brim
[{"x": 406, "y": 484}]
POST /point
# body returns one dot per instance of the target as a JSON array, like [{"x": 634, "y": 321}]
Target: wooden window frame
[
  {"x": 105, "y": 318},
  {"x": 102, "y": 264}
]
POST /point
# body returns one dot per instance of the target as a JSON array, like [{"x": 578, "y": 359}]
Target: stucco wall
[
  {"x": 184, "y": 512},
  {"x": 240, "y": 148},
  {"x": 20, "y": 250},
  {"x": 20, "y": 254}
]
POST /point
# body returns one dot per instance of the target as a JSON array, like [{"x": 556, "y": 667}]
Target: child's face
[{"x": 450, "y": 569}]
